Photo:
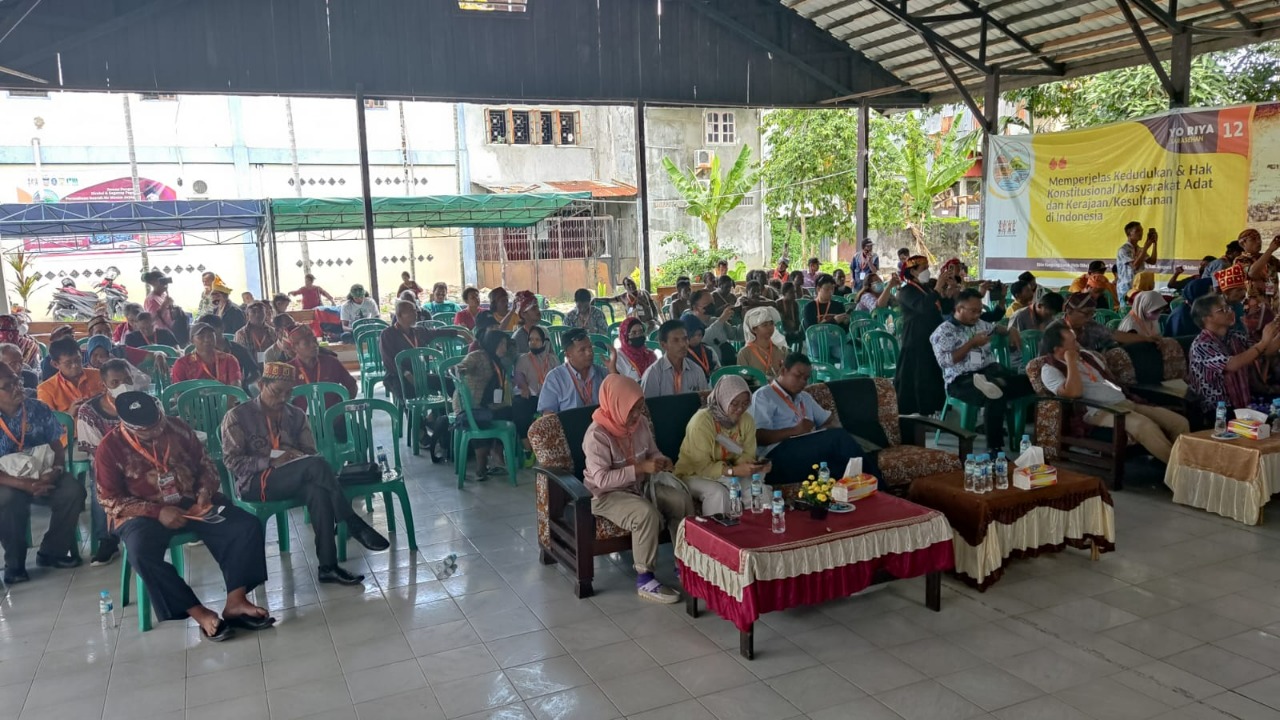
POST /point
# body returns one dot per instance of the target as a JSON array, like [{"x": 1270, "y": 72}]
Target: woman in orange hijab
[{"x": 630, "y": 481}]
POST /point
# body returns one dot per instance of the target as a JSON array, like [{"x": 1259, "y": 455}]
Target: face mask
[
  {"x": 538, "y": 350},
  {"x": 120, "y": 389},
  {"x": 877, "y": 287},
  {"x": 636, "y": 342},
  {"x": 923, "y": 276}
]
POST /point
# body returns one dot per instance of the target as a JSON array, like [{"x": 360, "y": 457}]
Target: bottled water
[
  {"x": 1275, "y": 416},
  {"x": 1002, "y": 472},
  {"x": 984, "y": 473},
  {"x": 735, "y": 498},
  {"x": 757, "y": 494},
  {"x": 382, "y": 460},
  {"x": 107, "y": 608},
  {"x": 970, "y": 473},
  {"x": 779, "y": 513},
  {"x": 824, "y": 473},
  {"x": 1220, "y": 418},
  {"x": 1025, "y": 446}
]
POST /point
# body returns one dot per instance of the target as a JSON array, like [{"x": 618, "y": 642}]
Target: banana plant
[{"x": 712, "y": 199}]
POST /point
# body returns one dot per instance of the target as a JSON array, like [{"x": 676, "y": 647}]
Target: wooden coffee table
[
  {"x": 744, "y": 571},
  {"x": 993, "y": 528}
]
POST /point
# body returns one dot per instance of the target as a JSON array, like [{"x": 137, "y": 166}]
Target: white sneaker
[
  {"x": 654, "y": 591},
  {"x": 986, "y": 387}
]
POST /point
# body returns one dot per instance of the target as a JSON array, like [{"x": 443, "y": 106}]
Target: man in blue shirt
[
  {"x": 796, "y": 433},
  {"x": 26, "y": 426},
  {"x": 576, "y": 383}
]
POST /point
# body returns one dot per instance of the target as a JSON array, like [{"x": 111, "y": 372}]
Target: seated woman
[
  {"x": 1220, "y": 358},
  {"x": 765, "y": 348},
  {"x": 1180, "y": 321},
  {"x": 530, "y": 373},
  {"x": 633, "y": 357},
  {"x": 630, "y": 481},
  {"x": 1143, "y": 318},
  {"x": 719, "y": 444},
  {"x": 706, "y": 358},
  {"x": 876, "y": 293},
  {"x": 488, "y": 378}
]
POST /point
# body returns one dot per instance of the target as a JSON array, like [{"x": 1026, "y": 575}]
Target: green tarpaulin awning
[{"x": 501, "y": 210}]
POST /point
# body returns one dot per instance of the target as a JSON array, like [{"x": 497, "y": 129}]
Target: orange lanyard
[
  {"x": 798, "y": 411},
  {"x": 71, "y": 388},
  {"x": 410, "y": 337},
  {"x": 161, "y": 466},
  {"x": 704, "y": 364},
  {"x": 767, "y": 361},
  {"x": 502, "y": 379},
  {"x": 724, "y": 452},
  {"x": 213, "y": 374},
  {"x": 677, "y": 377},
  {"x": 306, "y": 375},
  {"x": 272, "y": 433},
  {"x": 22, "y": 441},
  {"x": 543, "y": 370},
  {"x": 821, "y": 310},
  {"x": 585, "y": 390}
]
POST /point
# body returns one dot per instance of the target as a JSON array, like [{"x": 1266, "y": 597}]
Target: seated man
[
  {"x": 678, "y": 303},
  {"x": 1024, "y": 294},
  {"x": 207, "y": 362},
  {"x": 131, "y": 312},
  {"x": 675, "y": 372},
  {"x": 795, "y": 433},
  {"x": 576, "y": 382},
  {"x": 95, "y": 419},
  {"x": 145, "y": 332},
  {"x": 11, "y": 355},
  {"x": 585, "y": 315},
  {"x": 1096, "y": 285},
  {"x": 256, "y": 335},
  {"x": 825, "y": 308},
  {"x": 440, "y": 301},
  {"x": 232, "y": 315},
  {"x": 154, "y": 479},
  {"x": 313, "y": 366},
  {"x": 1078, "y": 312},
  {"x": 1037, "y": 315},
  {"x": 73, "y": 383},
  {"x": 962, "y": 345},
  {"x": 268, "y": 447},
  {"x": 281, "y": 350},
  {"x": 26, "y": 427},
  {"x": 250, "y": 367},
  {"x": 1073, "y": 372}
]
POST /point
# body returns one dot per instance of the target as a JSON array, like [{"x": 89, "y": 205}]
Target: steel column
[
  {"x": 642, "y": 186},
  {"x": 367, "y": 191},
  {"x": 861, "y": 199},
  {"x": 991, "y": 126},
  {"x": 1180, "y": 70}
]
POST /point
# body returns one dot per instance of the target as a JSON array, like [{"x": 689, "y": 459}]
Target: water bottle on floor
[
  {"x": 1025, "y": 446},
  {"x": 107, "y": 608},
  {"x": 824, "y": 473},
  {"x": 1220, "y": 418},
  {"x": 779, "y": 513},
  {"x": 383, "y": 466},
  {"x": 757, "y": 494},
  {"x": 735, "y": 498},
  {"x": 970, "y": 473},
  {"x": 1002, "y": 472}
]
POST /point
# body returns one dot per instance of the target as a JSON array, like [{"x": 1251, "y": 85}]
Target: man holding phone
[{"x": 1133, "y": 258}]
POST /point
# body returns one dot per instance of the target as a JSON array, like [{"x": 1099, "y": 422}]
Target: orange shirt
[
  {"x": 226, "y": 369},
  {"x": 60, "y": 393}
]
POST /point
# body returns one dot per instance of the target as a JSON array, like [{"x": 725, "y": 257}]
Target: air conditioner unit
[{"x": 702, "y": 159}]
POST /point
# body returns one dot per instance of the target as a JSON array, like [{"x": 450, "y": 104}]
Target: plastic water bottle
[
  {"x": 779, "y": 513},
  {"x": 757, "y": 494},
  {"x": 824, "y": 473},
  {"x": 1002, "y": 472},
  {"x": 984, "y": 473},
  {"x": 1275, "y": 416},
  {"x": 735, "y": 498},
  {"x": 970, "y": 473},
  {"x": 107, "y": 608},
  {"x": 382, "y": 460},
  {"x": 1220, "y": 418},
  {"x": 1025, "y": 446}
]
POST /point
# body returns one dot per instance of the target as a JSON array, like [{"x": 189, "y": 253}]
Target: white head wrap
[{"x": 760, "y": 315}]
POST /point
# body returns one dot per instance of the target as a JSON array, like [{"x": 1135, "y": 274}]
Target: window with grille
[
  {"x": 721, "y": 128},
  {"x": 520, "y": 127},
  {"x": 497, "y": 126},
  {"x": 494, "y": 5},
  {"x": 568, "y": 128},
  {"x": 158, "y": 97},
  {"x": 375, "y": 104},
  {"x": 547, "y": 127},
  {"x": 533, "y": 127}
]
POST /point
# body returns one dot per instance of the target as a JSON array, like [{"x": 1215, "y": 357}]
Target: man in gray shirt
[
  {"x": 1038, "y": 314},
  {"x": 674, "y": 372}
]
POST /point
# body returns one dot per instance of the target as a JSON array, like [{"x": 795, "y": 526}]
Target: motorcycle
[
  {"x": 113, "y": 294},
  {"x": 71, "y": 304}
]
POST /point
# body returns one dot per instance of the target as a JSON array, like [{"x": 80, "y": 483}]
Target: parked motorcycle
[
  {"x": 113, "y": 294},
  {"x": 71, "y": 304}
]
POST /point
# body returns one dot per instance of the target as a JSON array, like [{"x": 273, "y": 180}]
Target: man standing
[
  {"x": 28, "y": 428},
  {"x": 675, "y": 372},
  {"x": 269, "y": 449},
  {"x": 1133, "y": 258},
  {"x": 864, "y": 263},
  {"x": 73, "y": 383},
  {"x": 962, "y": 345},
  {"x": 154, "y": 478},
  {"x": 311, "y": 293},
  {"x": 576, "y": 383}
]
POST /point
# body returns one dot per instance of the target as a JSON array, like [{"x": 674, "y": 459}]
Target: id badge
[
  {"x": 168, "y": 484},
  {"x": 497, "y": 396},
  {"x": 262, "y": 357}
]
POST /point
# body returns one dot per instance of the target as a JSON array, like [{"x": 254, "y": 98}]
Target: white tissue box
[{"x": 1035, "y": 476}]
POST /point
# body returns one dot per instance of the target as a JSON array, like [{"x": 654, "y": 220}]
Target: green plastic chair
[
  {"x": 82, "y": 342},
  {"x": 316, "y": 394},
  {"x": 229, "y": 337},
  {"x": 825, "y": 372},
  {"x": 370, "y": 355},
  {"x": 553, "y": 317},
  {"x": 203, "y": 409},
  {"x": 362, "y": 323},
  {"x": 176, "y": 545},
  {"x": 882, "y": 349},
  {"x": 555, "y": 336},
  {"x": 602, "y": 356},
  {"x": 1030, "y": 340},
  {"x": 1113, "y": 324},
  {"x": 884, "y": 319},
  {"x": 1102, "y": 317},
  {"x": 444, "y": 317},
  {"x": 44, "y": 349},
  {"x": 170, "y": 352},
  {"x": 422, "y": 363},
  {"x": 448, "y": 347},
  {"x": 169, "y": 395},
  {"x": 613, "y": 328},
  {"x": 1164, "y": 321},
  {"x": 78, "y": 468},
  {"x": 361, "y": 447},
  {"x": 603, "y": 342},
  {"x": 501, "y": 430},
  {"x": 1000, "y": 347},
  {"x": 826, "y": 343},
  {"x": 606, "y": 307},
  {"x": 755, "y": 378}
]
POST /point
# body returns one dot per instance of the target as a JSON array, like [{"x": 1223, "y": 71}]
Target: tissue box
[
  {"x": 1035, "y": 476},
  {"x": 849, "y": 489},
  {"x": 1252, "y": 429}
]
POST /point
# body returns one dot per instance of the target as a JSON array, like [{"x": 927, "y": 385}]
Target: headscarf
[
  {"x": 95, "y": 342},
  {"x": 618, "y": 395},
  {"x": 1180, "y": 321},
  {"x": 641, "y": 357},
  {"x": 525, "y": 300},
  {"x": 951, "y": 265},
  {"x": 1144, "y": 303},
  {"x": 1144, "y": 282},
  {"x": 693, "y": 324},
  {"x": 727, "y": 388},
  {"x": 758, "y": 316}
]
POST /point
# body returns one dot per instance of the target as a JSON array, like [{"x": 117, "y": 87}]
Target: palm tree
[{"x": 712, "y": 199}]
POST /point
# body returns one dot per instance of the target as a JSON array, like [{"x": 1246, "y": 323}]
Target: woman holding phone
[{"x": 719, "y": 445}]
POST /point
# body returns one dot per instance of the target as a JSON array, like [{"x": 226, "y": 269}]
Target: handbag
[{"x": 365, "y": 473}]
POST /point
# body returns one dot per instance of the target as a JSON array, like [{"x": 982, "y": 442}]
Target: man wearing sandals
[
  {"x": 268, "y": 447},
  {"x": 154, "y": 479}
]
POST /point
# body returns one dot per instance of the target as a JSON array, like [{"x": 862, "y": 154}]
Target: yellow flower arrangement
[{"x": 815, "y": 493}]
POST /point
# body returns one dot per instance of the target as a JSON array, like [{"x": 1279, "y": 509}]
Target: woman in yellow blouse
[
  {"x": 719, "y": 444},
  {"x": 765, "y": 347}
]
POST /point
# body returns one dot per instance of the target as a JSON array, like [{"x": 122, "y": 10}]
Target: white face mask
[
  {"x": 923, "y": 276},
  {"x": 120, "y": 389}
]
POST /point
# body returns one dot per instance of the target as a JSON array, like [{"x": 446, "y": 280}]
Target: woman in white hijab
[
  {"x": 719, "y": 445},
  {"x": 766, "y": 347},
  {"x": 1144, "y": 317}
]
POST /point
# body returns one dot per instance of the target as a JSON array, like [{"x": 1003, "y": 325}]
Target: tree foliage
[
  {"x": 1246, "y": 75},
  {"x": 711, "y": 200},
  {"x": 931, "y": 165}
]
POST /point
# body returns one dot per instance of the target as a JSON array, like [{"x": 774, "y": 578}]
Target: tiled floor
[{"x": 1182, "y": 622}]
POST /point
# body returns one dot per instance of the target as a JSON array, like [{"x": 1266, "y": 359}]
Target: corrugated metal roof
[
  {"x": 597, "y": 188},
  {"x": 1030, "y": 41}
]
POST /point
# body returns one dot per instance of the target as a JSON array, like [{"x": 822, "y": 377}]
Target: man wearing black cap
[
  {"x": 268, "y": 447},
  {"x": 26, "y": 427},
  {"x": 154, "y": 479}
]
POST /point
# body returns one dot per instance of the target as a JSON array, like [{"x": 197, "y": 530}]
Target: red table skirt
[{"x": 765, "y": 596}]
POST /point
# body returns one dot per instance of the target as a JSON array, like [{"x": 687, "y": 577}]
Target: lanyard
[
  {"x": 798, "y": 411},
  {"x": 302, "y": 368},
  {"x": 72, "y": 389},
  {"x": 161, "y": 466},
  {"x": 766, "y": 361},
  {"x": 704, "y": 363},
  {"x": 724, "y": 451},
  {"x": 677, "y": 377},
  {"x": 821, "y": 310},
  {"x": 22, "y": 441},
  {"x": 213, "y": 375},
  {"x": 541, "y": 371},
  {"x": 585, "y": 389},
  {"x": 272, "y": 433},
  {"x": 412, "y": 340},
  {"x": 502, "y": 379}
]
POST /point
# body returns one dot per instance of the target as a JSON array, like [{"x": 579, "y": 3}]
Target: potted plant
[
  {"x": 25, "y": 281},
  {"x": 817, "y": 495}
]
